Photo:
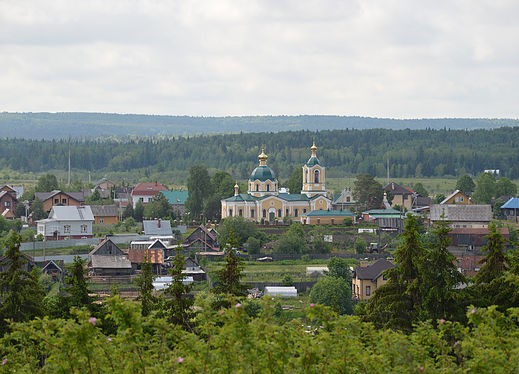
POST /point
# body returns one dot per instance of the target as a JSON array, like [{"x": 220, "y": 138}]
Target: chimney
[{"x": 158, "y": 223}]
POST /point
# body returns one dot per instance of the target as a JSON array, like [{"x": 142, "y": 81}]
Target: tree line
[{"x": 411, "y": 153}]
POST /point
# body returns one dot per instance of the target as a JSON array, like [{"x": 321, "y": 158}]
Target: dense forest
[
  {"x": 411, "y": 153},
  {"x": 98, "y": 125}
]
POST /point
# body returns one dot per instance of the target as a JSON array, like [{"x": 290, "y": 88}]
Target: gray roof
[
  {"x": 157, "y": 227},
  {"x": 71, "y": 213},
  {"x": 373, "y": 271},
  {"x": 78, "y": 196},
  {"x": 104, "y": 210},
  {"x": 459, "y": 213},
  {"x": 110, "y": 262}
]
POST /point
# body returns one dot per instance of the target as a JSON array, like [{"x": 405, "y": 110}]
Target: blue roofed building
[
  {"x": 510, "y": 209},
  {"x": 177, "y": 200}
]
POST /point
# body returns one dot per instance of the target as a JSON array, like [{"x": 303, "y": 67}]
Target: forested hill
[
  {"x": 344, "y": 153},
  {"x": 93, "y": 125}
]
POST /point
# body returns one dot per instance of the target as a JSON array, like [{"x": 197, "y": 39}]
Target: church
[{"x": 263, "y": 201}]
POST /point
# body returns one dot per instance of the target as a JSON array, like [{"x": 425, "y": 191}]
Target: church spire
[{"x": 262, "y": 157}]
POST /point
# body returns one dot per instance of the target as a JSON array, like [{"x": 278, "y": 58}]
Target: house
[
  {"x": 345, "y": 200},
  {"x": 60, "y": 198},
  {"x": 202, "y": 240},
  {"x": 8, "y": 202},
  {"x": 327, "y": 217},
  {"x": 457, "y": 197},
  {"x": 386, "y": 219},
  {"x": 145, "y": 192},
  {"x": 281, "y": 291},
  {"x": 105, "y": 214},
  {"x": 367, "y": 280},
  {"x": 104, "y": 184},
  {"x": 510, "y": 209},
  {"x": 400, "y": 196},
  {"x": 53, "y": 268},
  {"x": 177, "y": 199},
  {"x": 152, "y": 251},
  {"x": 465, "y": 216},
  {"x": 265, "y": 202},
  {"x": 161, "y": 283},
  {"x": 191, "y": 269},
  {"x": 107, "y": 259},
  {"x": 67, "y": 222},
  {"x": 158, "y": 228},
  {"x": 28, "y": 263}
]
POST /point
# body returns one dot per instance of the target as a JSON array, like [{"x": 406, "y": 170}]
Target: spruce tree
[
  {"x": 145, "y": 285},
  {"x": 494, "y": 263},
  {"x": 228, "y": 278}
]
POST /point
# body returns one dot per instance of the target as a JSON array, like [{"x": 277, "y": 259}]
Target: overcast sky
[{"x": 400, "y": 59}]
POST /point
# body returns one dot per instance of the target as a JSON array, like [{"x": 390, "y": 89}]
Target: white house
[{"x": 67, "y": 222}]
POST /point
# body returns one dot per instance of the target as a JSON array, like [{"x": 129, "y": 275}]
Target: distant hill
[{"x": 95, "y": 125}]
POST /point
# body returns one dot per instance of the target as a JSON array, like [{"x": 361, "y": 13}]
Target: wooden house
[
  {"x": 457, "y": 197},
  {"x": 60, "y": 198},
  {"x": 109, "y": 260},
  {"x": 105, "y": 214},
  {"x": 463, "y": 216},
  {"x": 67, "y": 222},
  {"x": 202, "y": 240},
  {"x": 54, "y": 268},
  {"x": 8, "y": 202},
  {"x": 151, "y": 251}
]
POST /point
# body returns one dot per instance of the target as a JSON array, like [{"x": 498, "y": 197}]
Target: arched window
[
  {"x": 279, "y": 212},
  {"x": 252, "y": 213},
  {"x": 316, "y": 176},
  {"x": 230, "y": 212},
  {"x": 257, "y": 187},
  {"x": 306, "y": 176},
  {"x": 264, "y": 213},
  {"x": 240, "y": 213},
  {"x": 268, "y": 187},
  {"x": 287, "y": 212},
  {"x": 296, "y": 212}
]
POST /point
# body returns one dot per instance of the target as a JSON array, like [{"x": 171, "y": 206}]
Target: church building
[{"x": 264, "y": 202}]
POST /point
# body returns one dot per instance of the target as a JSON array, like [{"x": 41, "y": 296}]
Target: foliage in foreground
[{"x": 229, "y": 340}]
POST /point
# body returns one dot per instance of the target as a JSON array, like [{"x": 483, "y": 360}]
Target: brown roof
[
  {"x": 148, "y": 189},
  {"x": 137, "y": 256},
  {"x": 397, "y": 189},
  {"x": 374, "y": 270}
]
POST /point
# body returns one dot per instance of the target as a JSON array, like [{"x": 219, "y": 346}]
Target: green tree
[
  {"x": 340, "y": 268},
  {"x": 239, "y": 227},
  {"x": 253, "y": 245},
  {"x": 47, "y": 183},
  {"x": 178, "y": 302},
  {"x": 78, "y": 293},
  {"x": 420, "y": 189},
  {"x": 128, "y": 211},
  {"x": 440, "y": 277},
  {"x": 334, "y": 292},
  {"x": 199, "y": 187},
  {"x": 138, "y": 211},
  {"x": 21, "y": 294},
  {"x": 397, "y": 303},
  {"x": 485, "y": 188},
  {"x": 222, "y": 186},
  {"x": 228, "y": 278},
  {"x": 158, "y": 208},
  {"x": 145, "y": 285},
  {"x": 367, "y": 192},
  {"x": 494, "y": 262},
  {"x": 293, "y": 241},
  {"x": 37, "y": 210},
  {"x": 295, "y": 182},
  {"x": 95, "y": 198},
  {"x": 465, "y": 184},
  {"x": 505, "y": 187}
]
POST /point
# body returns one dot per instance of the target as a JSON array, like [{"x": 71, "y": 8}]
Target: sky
[{"x": 387, "y": 58}]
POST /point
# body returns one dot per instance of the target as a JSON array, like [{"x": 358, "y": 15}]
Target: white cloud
[{"x": 376, "y": 58}]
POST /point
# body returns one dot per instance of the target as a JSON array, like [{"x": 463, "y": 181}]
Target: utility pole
[{"x": 68, "y": 162}]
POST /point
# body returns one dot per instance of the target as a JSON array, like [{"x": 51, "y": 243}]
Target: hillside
[{"x": 96, "y": 125}]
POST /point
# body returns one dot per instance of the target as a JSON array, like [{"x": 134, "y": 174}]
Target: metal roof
[
  {"x": 176, "y": 197},
  {"x": 513, "y": 203},
  {"x": 71, "y": 213}
]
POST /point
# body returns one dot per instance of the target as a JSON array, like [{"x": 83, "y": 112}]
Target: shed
[{"x": 281, "y": 291}]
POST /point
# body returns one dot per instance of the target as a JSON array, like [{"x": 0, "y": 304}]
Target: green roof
[
  {"x": 263, "y": 173},
  {"x": 381, "y": 212},
  {"x": 241, "y": 197},
  {"x": 312, "y": 161},
  {"x": 328, "y": 213},
  {"x": 293, "y": 197},
  {"x": 177, "y": 197}
]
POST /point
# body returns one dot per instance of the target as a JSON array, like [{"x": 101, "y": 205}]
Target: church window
[
  {"x": 286, "y": 212},
  {"x": 348, "y": 199},
  {"x": 257, "y": 187},
  {"x": 264, "y": 213},
  {"x": 306, "y": 176},
  {"x": 268, "y": 187},
  {"x": 230, "y": 212},
  {"x": 316, "y": 176},
  {"x": 296, "y": 212},
  {"x": 304, "y": 210},
  {"x": 252, "y": 213},
  {"x": 240, "y": 213},
  {"x": 279, "y": 212}
]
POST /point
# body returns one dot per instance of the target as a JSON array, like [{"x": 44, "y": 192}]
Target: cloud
[{"x": 377, "y": 58}]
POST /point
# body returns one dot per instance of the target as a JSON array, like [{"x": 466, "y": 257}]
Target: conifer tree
[
  {"x": 494, "y": 263},
  {"x": 21, "y": 295},
  {"x": 145, "y": 284},
  {"x": 228, "y": 278}
]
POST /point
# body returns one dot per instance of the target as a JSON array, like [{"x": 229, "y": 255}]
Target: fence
[{"x": 117, "y": 239}]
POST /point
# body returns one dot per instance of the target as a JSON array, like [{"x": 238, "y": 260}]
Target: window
[
  {"x": 230, "y": 212},
  {"x": 306, "y": 176},
  {"x": 56, "y": 201},
  {"x": 318, "y": 221},
  {"x": 63, "y": 201},
  {"x": 268, "y": 187},
  {"x": 316, "y": 176},
  {"x": 333, "y": 221},
  {"x": 296, "y": 212},
  {"x": 304, "y": 210},
  {"x": 252, "y": 213},
  {"x": 368, "y": 290},
  {"x": 348, "y": 199},
  {"x": 101, "y": 220},
  {"x": 286, "y": 212},
  {"x": 7, "y": 203},
  {"x": 257, "y": 187},
  {"x": 240, "y": 213},
  {"x": 264, "y": 213},
  {"x": 279, "y": 212},
  {"x": 66, "y": 229},
  {"x": 84, "y": 229}
]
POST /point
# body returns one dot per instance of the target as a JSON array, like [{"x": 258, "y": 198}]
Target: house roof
[
  {"x": 71, "y": 213},
  {"x": 78, "y": 196},
  {"x": 382, "y": 212},
  {"x": 460, "y": 213},
  {"x": 48, "y": 263},
  {"x": 373, "y": 271},
  {"x": 513, "y": 203},
  {"x": 148, "y": 189},
  {"x": 101, "y": 244},
  {"x": 329, "y": 213},
  {"x": 347, "y": 192},
  {"x": 444, "y": 201},
  {"x": 110, "y": 262},
  {"x": 157, "y": 227},
  {"x": 293, "y": 196},
  {"x": 176, "y": 197},
  {"x": 397, "y": 189},
  {"x": 104, "y": 210},
  {"x": 137, "y": 256},
  {"x": 241, "y": 197}
]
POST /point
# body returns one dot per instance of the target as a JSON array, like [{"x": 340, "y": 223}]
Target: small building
[
  {"x": 60, "y": 198},
  {"x": 177, "y": 199},
  {"x": 105, "y": 214},
  {"x": 8, "y": 202},
  {"x": 158, "y": 227},
  {"x": 464, "y": 216},
  {"x": 386, "y": 219},
  {"x": 108, "y": 259},
  {"x": 53, "y": 268},
  {"x": 202, "y": 240},
  {"x": 145, "y": 192},
  {"x": 367, "y": 280},
  {"x": 316, "y": 270},
  {"x": 161, "y": 283},
  {"x": 510, "y": 209},
  {"x": 399, "y": 195},
  {"x": 281, "y": 291},
  {"x": 67, "y": 222},
  {"x": 152, "y": 251},
  {"x": 345, "y": 200},
  {"x": 457, "y": 197},
  {"x": 327, "y": 217},
  {"x": 28, "y": 263}
]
